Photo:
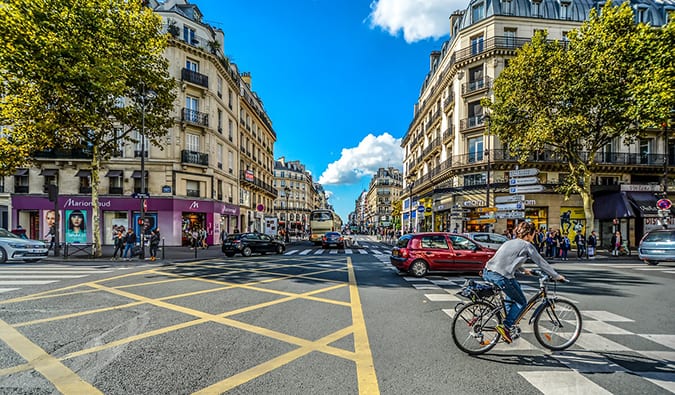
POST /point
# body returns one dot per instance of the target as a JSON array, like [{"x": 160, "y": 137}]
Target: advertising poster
[
  {"x": 76, "y": 226},
  {"x": 573, "y": 221},
  {"x": 149, "y": 224},
  {"x": 48, "y": 220}
]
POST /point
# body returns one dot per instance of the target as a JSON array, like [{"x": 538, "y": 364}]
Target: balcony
[
  {"x": 471, "y": 122},
  {"x": 194, "y": 77},
  {"x": 477, "y": 86},
  {"x": 63, "y": 154},
  {"x": 195, "y": 117},
  {"x": 194, "y": 158}
]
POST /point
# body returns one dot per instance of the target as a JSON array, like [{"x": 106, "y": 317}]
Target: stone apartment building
[
  {"x": 298, "y": 195},
  {"x": 384, "y": 189}
]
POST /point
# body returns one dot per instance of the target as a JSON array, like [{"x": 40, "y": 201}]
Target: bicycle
[{"x": 557, "y": 322}]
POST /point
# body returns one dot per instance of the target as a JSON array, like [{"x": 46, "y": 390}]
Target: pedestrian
[
  {"x": 51, "y": 236},
  {"x": 194, "y": 235},
  {"x": 580, "y": 241},
  {"x": 130, "y": 242},
  {"x": 154, "y": 243},
  {"x": 616, "y": 242},
  {"x": 592, "y": 244},
  {"x": 119, "y": 239},
  {"x": 202, "y": 239},
  {"x": 564, "y": 247}
]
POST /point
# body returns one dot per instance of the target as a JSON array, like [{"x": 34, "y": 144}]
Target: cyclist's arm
[{"x": 542, "y": 263}]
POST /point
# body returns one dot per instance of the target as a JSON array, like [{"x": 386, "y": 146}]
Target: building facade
[
  {"x": 297, "y": 196},
  {"x": 456, "y": 173},
  {"x": 213, "y": 171},
  {"x": 383, "y": 190}
]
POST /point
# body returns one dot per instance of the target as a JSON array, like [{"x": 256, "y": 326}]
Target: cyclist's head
[{"x": 524, "y": 229}]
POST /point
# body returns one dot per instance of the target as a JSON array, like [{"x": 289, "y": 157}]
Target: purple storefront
[{"x": 175, "y": 217}]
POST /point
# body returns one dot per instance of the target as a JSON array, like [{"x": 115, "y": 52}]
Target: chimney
[{"x": 246, "y": 77}]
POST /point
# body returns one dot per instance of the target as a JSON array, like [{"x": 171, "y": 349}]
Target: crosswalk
[
  {"x": 346, "y": 251},
  {"x": 13, "y": 278}
]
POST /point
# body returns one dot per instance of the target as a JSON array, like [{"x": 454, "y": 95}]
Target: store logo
[{"x": 194, "y": 206}]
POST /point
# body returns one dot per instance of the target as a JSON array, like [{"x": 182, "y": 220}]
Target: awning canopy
[
  {"x": 645, "y": 202},
  {"x": 612, "y": 205},
  {"x": 49, "y": 172},
  {"x": 83, "y": 173},
  {"x": 115, "y": 173},
  {"x": 21, "y": 172},
  {"x": 137, "y": 174}
]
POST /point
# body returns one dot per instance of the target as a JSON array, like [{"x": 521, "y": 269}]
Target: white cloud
[
  {"x": 372, "y": 153},
  {"x": 418, "y": 19}
]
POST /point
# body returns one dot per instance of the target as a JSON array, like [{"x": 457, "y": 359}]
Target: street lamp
[
  {"x": 145, "y": 97},
  {"x": 411, "y": 177},
  {"x": 486, "y": 119},
  {"x": 287, "y": 191}
]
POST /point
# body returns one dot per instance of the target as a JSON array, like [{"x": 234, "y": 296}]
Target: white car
[
  {"x": 15, "y": 248},
  {"x": 490, "y": 240}
]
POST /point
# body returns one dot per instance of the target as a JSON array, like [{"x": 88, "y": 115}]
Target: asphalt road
[{"x": 322, "y": 322}]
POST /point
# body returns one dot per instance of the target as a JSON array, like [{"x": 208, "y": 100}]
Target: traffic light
[
  {"x": 140, "y": 221},
  {"x": 52, "y": 192}
]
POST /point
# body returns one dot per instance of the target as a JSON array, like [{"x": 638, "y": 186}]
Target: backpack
[{"x": 566, "y": 243}]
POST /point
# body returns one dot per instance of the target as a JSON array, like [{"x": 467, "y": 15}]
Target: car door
[
  {"x": 437, "y": 252},
  {"x": 266, "y": 243},
  {"x": 467, "y": 254},
  {"x": 253, "y": 241}
]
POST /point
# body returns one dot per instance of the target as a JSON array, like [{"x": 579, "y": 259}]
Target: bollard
[
  {"x": 196, "y": 251},
  {"x": 163, "y": 248}
]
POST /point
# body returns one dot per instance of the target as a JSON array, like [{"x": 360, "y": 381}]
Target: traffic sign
[
  {"x": 511, "y": 206},
  {"x": 664, "y": 204},
  {"x": 524, "y": 181},
  {"x": 509, "y": 198},
  {"x": 523, "y": 172},
  {"x": 526, "y": 189},
  {"x": 485, "y": 209},
  {"x": 511, "y": 215},
  {"x": 420, "y": 209},
  {"x": 136, "y": 195}
]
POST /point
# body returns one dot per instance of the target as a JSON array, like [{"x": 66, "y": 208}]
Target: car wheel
[
  {"x": 229, "y": 254},
  {"x": 418, "y": 268},
  {"x": 280, "y": 250},
  {"x": 246, "y": 251},
  {"x": 3, "y": 255},
  {"x": 652, "y": 263}
]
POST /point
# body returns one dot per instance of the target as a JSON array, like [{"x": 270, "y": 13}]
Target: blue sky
[{"x": 338, "y": 78}]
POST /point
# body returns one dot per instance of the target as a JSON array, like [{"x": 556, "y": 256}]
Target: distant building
[
  {"x": 297, "y": 195},
  {"x": 383, "y": 190}
]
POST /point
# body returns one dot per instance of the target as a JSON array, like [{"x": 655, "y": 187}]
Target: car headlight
[{"x": 18, "y": 246}]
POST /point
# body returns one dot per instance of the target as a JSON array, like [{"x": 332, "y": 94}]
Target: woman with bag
[{"x": 154, "y": 243}]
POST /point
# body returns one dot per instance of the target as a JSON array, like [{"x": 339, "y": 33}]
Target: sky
[{"x": 338, "y": 79}]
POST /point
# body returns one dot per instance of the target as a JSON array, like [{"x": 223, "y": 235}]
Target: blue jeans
[
  {"x": 128, "y": 247},
  {"x": 515, "y": 300}
]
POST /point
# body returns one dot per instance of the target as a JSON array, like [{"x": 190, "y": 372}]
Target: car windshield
[
  {"x": 6, "y": 233},
  {"x": 660, "y": 237},
  {"x": 495, "y": 238}
]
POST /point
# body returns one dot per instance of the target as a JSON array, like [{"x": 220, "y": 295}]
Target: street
[{"x": 315, "y": 321}]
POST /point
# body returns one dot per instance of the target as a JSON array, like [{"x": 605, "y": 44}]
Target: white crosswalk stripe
[{"x": 15, "y": 278}]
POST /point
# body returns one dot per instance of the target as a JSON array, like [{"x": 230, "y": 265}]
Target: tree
[
  {"x": 396, "y": 206},
  {"x": 571, "y": 99},
  {"x": 73, "y": 75}
]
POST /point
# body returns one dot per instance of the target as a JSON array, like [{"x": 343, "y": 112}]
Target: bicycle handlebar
[{"x": 545, "y": 277}]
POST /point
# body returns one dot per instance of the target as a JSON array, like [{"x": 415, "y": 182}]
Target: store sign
[
  {"x": 641, "y": 188},
  {"x": 474, "y": 203},
  {"x": 249, "y": 175}
]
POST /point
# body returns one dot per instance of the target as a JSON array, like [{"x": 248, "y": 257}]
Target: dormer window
[
  {"x": 507, "y": 7},
  {"x": 641, "y": 15},
  {"x": 565, "y": 9},
  {"x": 477, "y": 12}
]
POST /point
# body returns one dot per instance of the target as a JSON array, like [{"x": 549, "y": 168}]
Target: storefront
[{"x": 173, "y": 216}]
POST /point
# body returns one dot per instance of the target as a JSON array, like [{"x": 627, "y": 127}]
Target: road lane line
[
  {"x": 563, "y": 383},
  {"x": 25, "y": 282},
  {"x": 606, "y": 316},
  {"x": 8, "y": 289},
  {"x": 4, "y": 276},
  {"x": 64, "y": 379}
]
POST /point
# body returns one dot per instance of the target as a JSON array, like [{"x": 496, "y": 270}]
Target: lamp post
[
  {"x": 287, "y": 238},
  {"x": 145, "y": 96},
  {"x": 486, "y": 119},
  {"x": 411, "y": 176}
]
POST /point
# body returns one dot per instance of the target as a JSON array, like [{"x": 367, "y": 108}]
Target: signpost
[
  {"x": 509, "y": 198},
  {"x": 527, "y": 189}
]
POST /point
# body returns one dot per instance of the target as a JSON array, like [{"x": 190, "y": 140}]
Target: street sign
[
  {"x": 140, "y": 195},
  {"x": 510, "y": 206},
  {"x": 526, "y": 189},
  {"x": 524, "y": 181},
  {"x": 420, "y": 209},
  {"x": 511, "y": 215},
  {"x": 523, "y": 172},
  {"x": 486, "y": 209},
  {"x": 664, "y": 204},
  {"x": 509, "y": 198}
]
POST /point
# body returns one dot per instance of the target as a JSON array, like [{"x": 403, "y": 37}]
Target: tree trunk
[
  {"x": 587, "y": 198},
  {"x": 95, "y": 222}
]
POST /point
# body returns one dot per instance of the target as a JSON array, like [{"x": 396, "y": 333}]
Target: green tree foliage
[
  {"x": 571, "y": 98},
  {"x": 72, "y": 72}
]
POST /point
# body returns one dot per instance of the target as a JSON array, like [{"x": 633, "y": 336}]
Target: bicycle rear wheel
[
  {"x": 558, "y": 325},
  {"x": 473, "y": 328}
]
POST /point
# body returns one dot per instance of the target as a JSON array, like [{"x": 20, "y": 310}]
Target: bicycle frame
[{"x": 540, "y": 297}]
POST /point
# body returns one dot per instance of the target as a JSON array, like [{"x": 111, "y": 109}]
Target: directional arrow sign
[
  {"x": 510, "y": 206},
  {"x": 526, "y": 189},
  {"x": 509, "y": 198},
  {"x": 524, "y": 181},
  {"x": 523, "y": 172},
  {"x": 511, "y": 215}
]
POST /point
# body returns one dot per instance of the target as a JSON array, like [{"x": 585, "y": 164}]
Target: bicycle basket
[{"x": 474, "y": 291}]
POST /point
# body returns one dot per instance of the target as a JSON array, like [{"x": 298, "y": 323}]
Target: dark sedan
[
  {"x": 248, "y": 243},
  {"x": 332, "y": 239}
]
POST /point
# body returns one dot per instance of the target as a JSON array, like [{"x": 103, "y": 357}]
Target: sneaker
[
  {"x": 515, "y": 332},
  {"x": 506, "y": 336}
]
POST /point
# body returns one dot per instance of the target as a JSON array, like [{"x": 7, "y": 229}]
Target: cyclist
[{"x": 501, "y": 268}]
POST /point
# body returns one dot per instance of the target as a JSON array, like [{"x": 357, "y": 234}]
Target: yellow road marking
[{"x": 64, "y": 379}]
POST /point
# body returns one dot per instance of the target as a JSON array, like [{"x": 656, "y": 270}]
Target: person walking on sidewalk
[
  {"x": 119, "y": 238},
  {"x": 616, "y": 242},
  {"x": 592, "y": 245},
  {"x": 154, "y": 243},
  {"x": 564, "y": 247},
  {"x": 130, "y": 243}
]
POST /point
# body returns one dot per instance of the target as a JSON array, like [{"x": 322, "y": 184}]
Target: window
[
  {"x": 219, "y": 86},
  {"x": 645, "y": 150},
  {"x": 119, "y": 142},
  {"x": 475, "y": 114},
  {"x": 230, "y": 129},
  {"x": 192, "y": 142},
  {"x": 564, "y": 10},
  {"x": 474, "y": 179},
  {"x": 229, "y": 98},
  {"x": 475, "y": 148},
  {"x": 478, "y": 12},
  {"x": 220, "y": 190},
  {"x": 507, "y": 7},
  {"x": 476, "y": 80},
  {"x": 462, "y": 243},
  {"x": 189, "y": 35},
  {"x": 21, "y": 181},
  {"x": 437, "y": 241},
  {"x": 219, "y": 155},
  {"x": 510, "y": 36},
  {"x": 476, "y": 45},
  {"x": 230, "y": 161},
  {"x": 192, "y": 65},
  {"x": 192, "y": 103},
  {"x": 220, "y": 121},
  {"x": 192, "y": 188}
]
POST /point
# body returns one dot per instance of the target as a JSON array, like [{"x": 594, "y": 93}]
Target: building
[
  {"x": 297, "y": 196},
  {"x": 454, "y": 171},
  {"x": 383, "y": 190},
  {"x": 214, "y": 170}
]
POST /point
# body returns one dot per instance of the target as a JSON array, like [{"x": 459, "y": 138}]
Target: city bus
[{"x": 322, "y": 221}]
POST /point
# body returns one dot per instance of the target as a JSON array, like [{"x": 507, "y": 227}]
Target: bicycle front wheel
[
  {"x": 473, "y": 328},
  {"x": 558, "y": 325}
]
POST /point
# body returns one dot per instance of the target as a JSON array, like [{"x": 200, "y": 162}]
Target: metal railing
[
  {"x": 192, "y": 157},
  {"x": 195, "y": 117},
  {"x": 194, "y": 77}
]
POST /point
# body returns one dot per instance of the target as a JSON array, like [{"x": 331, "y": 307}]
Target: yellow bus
[{"x": 322, "y": 221}]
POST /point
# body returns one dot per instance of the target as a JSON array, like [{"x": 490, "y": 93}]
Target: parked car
[
  {"x": 248, "y": 243},
  {"x": 421, "y": 253},
  {"x": 657, "y": 246},
  {"x": 15, "y": 248},
  {"x": 332, "y": 239},
  {"x": 487, "y": 239}
]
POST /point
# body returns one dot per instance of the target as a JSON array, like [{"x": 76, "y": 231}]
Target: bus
[{"x": 322, "y": 221}]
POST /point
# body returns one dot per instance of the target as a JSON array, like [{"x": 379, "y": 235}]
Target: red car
[{"x": 421, "y": 253}]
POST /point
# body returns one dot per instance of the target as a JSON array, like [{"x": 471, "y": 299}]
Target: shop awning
[
  {"x": 137, "y": 174},
  {"x": 49, "y": 172},
  {"x": 612, "y": 205},
  {"x": 83, "y": 173},
  {"x": 21, "y": 172},
  {"x": 115, "y": 173},
  {"x": 644, "y": 202}
]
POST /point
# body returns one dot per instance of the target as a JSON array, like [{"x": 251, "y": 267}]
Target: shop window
[{"x": 192, "y": 188}]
